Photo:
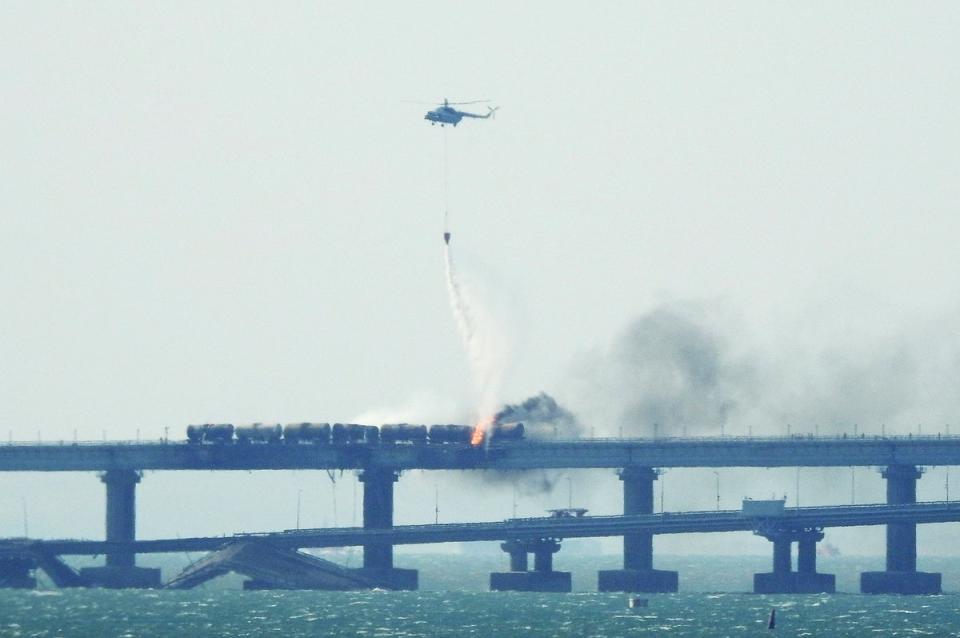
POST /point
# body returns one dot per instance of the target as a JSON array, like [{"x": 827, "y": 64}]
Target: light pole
[
  {"x": 716, "y": 475},
  {"x": 299, "y": 494},
  {"x": 798, "y": 487},
  {"x": 661, "y": 493}
]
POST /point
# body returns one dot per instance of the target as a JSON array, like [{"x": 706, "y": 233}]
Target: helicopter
[{"x": 445, "y": 113}]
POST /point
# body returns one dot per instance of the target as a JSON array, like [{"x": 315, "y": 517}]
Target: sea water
[{"x": 453, "y": 603}]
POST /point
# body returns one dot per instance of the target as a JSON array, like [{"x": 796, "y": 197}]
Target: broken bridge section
[
  {"x": 19, "y": 559},
  {"x": 271, "y": 567}
]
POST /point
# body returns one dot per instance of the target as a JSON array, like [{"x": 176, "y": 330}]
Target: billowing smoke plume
[
  {"x": 542, "y": 417},
  {"x": 686, "y": 369},
  {"x": 485, "y": 345},
  {"x": 670, "y": 372}
]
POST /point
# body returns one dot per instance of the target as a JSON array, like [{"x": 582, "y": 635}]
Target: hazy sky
[{"x": 224, "y": 213}]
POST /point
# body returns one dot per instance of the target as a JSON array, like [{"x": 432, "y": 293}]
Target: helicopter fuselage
[{"x": 444, "y": 115}]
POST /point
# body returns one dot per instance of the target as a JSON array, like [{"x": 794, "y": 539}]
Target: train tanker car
[
  {"x": 507, "y": 432},
  {"x": 210, "y": 433},
  {"x": 315, "y": 433},
  {"x": 403, "y": 433},
  {"x": 347, "y": 434},
  {"x": 443, "y": 434},
  {"x": 259, "y": 433}
]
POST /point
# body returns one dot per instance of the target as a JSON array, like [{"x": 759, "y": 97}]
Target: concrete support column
[
  {"x": 518, "y": 555},
  {"x": 807, "y": 555},
  {"x": 542, "y": 578},
  {"x": 378, "y": 514},
  {"x": 901, "y": 575},
  {"x": 638, "y": 574},
  {"x": 901, "y": 537},
  {"x": 120, "y": 570},
  {"x": 782, "y": 563},
  {"x": 638, "y": 499},
  {"x": 121, "y": 513},
  {"x": 543, "y": 555},
  {"x": 783, "y": 580}
]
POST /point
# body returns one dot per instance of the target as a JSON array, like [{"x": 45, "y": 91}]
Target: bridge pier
[
  {"x": 378, "y": 514},
  {"x": 638, "y": 574},
  {"x": 542, "y": 578},
  {"x": 16, "y": 572},
  {"x": 901, "y": 575},
  {"x": 120, "y": 570},
  {"x": 783, "y": 580}
]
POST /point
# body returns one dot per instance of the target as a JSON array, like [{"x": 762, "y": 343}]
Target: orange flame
[{"x": 480, "y": 431}]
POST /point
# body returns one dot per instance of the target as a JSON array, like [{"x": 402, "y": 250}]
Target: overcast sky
[{"x": 216, "y": 212}]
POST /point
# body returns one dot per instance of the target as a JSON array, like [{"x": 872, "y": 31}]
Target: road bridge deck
[
  {"x": 532, "y": 528},
  {"x": 806, "y": 451}
]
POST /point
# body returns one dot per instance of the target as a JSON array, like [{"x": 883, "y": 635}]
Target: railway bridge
[{"x": 379, "y": 465}]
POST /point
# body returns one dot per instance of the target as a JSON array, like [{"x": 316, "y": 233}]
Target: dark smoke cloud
[
  {"x": 542, "y": 417},
  {"x": 693, "y": 368},
  {"x": 688, "y": 368},
  {"x": 670, "y": 372}
]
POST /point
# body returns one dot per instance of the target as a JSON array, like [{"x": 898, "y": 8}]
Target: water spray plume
[{"x": 483, "y": 345}]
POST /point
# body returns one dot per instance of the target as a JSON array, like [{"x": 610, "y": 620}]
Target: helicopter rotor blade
[{"x": 470, "y": 102}]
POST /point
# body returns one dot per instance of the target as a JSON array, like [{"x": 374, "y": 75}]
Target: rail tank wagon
[
  {"x": 259, "y": 433},
  {"x": 316, "y": 433},
  {"x": 403, "y": 433},
  {"x": 347, "y": 434},
  {"x": 210, "y": 433},
  {"x": 507, "y": 432},
  {"x": 440, "y": 434}
]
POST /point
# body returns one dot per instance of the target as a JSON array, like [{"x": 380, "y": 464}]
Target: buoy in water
[{"x": 635, "y": 602}]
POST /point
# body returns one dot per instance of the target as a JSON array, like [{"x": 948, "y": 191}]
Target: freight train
[{"x": 347, "y": 434}]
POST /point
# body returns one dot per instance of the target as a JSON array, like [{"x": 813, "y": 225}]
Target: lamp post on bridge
[
  {"x": 853, "y": 486},
  {"x": 798, "y": 487},
  {"x": 716, "y": 474}
]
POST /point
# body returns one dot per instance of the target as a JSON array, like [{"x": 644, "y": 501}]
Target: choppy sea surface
[{"x": 453, "y": 603}]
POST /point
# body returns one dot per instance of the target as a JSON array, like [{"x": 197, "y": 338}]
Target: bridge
[
  {"x": 792, "y": 451},
  {"x": 534, "y": 528},
  {"x": 639, "y": 460},
  {"x": 540, "y": 536}
]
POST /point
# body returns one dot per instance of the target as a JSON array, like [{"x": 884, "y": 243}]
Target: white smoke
[{"x": 485, "y": 344}]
